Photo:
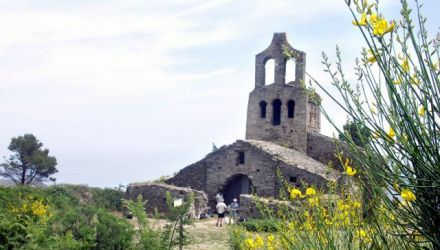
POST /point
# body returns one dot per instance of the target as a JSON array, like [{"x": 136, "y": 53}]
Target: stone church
[{"x": 282, "y": 132}]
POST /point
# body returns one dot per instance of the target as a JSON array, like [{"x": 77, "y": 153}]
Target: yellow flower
[
  {"x": 270, "y": 238},
  {"x": 408, "y": 195},
  {"x": 306, "y": 214},
  {"x": 405, "y": 65},
  {"x": 373, "y": 18},
  {"x": 295, "y": 193},
  {"x": 271, "y": 242},
  {"x": 342, "y": 206},
  {"x": 313, "y": 201},
  {"x": 391, "y": 27},
  {"x": 249, "y": 243},
  {"x": 361, "y": 22},
  {"x": 328, "y": 222},
  {"x": 38, "y": 208},
  {"x": 373, "y": 110},
  {"x": 422, "y": 111},
  {"x": 381, "y": 27},
  {"x": 371, "y": 58},
  {"x": 391, "y": 132},
  {"x": 308, "y": 225},
  {"x": 350, "y": 171},
  {"x": 259, "y": 242},
  {"x": 310, "y": 191},
  {"x": 415, "y": 79},
  {"x": 360, "y": 233},
  {"x": 356, "y": 204},
  {"x": 398, "y": 80}
]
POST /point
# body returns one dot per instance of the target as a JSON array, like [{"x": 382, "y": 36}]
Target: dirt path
[{"x": 205, "y": 235}]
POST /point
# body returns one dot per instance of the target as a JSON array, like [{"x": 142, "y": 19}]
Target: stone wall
[
  {"x": 260, "y": 162},
  {"x": 323, "y": 149},
  {"x": 276, "y": 51},
  {"x": 192, "y": 176},
  {"x": 299, "y": 177},
  {"x": 250, "y": 210},
  {"x": 155, "y": 194},
  {"x": 314, "y": 124},
  {"x": 224, "y": 165},
  {"x": 292, "y": 132}
]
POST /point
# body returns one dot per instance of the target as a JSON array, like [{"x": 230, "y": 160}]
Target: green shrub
[
  {"x": 112, "y": 232},
  {"x": 236, "y": 237},
  {"x": 58, "y": 217},
  {"x": 260, "y": 225},
  {"x": 108, "y": 198}
]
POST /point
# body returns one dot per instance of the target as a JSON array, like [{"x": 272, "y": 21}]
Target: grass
[{"x": 205, "y": 235}]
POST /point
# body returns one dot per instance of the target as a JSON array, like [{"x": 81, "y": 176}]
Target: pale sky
[{"x": 128, "y": 91}]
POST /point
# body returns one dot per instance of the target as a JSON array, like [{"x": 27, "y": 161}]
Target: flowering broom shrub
[
  {"x": 395, "y": 106},
  {"x": 319, "y": 220},
  {"x": 396, "y": 97}
]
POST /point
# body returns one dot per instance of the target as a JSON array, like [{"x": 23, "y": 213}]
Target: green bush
[
  {"x": 260, "y": 225},
  {"x": 112, "y": 233},
  {"x": 108, "y": 198},
  {"x": 62, "y": 217},
  {"x": 236, "y": 237}
]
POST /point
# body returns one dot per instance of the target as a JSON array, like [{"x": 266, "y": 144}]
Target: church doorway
[{"x": 236, "y": 185}]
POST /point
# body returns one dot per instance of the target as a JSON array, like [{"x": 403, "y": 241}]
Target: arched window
[
  {"x": 270, "y": 71},
  {"x": 290, "y": 109},
  {"x": 276, "y": 118},
  {"x": 290, "y": 71},
  {"x": 263, "y": 105}
]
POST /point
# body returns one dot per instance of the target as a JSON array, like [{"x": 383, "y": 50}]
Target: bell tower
[{"x": 281, "y": 112}]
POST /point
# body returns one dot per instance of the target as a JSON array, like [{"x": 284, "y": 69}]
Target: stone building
[{"x": 282, "y": 132}]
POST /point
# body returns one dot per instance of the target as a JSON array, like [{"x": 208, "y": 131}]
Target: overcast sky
[{"x": 128, "y": 91}]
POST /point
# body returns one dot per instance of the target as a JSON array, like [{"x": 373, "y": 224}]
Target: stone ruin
[
  {"x": 155, "y": 195},
  {"x": 282, "y": 135}
]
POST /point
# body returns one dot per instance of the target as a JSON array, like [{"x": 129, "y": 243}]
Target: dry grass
[{"x": 205, "y": 235}]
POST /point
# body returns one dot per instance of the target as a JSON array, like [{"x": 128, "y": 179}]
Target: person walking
[
  {"x": 233, "y": 211},
  {"x": 221, "y": 210},
  {"x": 219, "y": 197}
]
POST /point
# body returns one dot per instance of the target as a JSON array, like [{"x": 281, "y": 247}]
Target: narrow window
[
  {"x": 263, "y": 105},
  {"x": 240, "y": 158},
  {"x": 292, "y": 179},
  {"x": 270, "y": 71},
  {"x": 276, "y": 118},
  {"x": 290, "y": 109}
]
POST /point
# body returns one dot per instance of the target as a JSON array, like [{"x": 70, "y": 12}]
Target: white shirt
[{"x": 221, "y": 207}]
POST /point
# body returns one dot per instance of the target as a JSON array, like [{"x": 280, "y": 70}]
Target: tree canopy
[
  {"x": 29, "y": 162},
  {"x": 356, "y": 132}
]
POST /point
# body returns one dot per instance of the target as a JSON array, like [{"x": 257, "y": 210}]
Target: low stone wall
[
  {"x": 250, "y": 210},
  {"x": 155, "y": 194}
]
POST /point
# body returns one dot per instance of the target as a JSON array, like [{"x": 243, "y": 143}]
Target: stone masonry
[
  {"x": 282, "y": 137},
  {"x": 271, "y": 101},
  {"x": 155, "y": 195}
]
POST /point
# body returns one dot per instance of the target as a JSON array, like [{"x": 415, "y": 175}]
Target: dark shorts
[{"x": 222, "y": 215}]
